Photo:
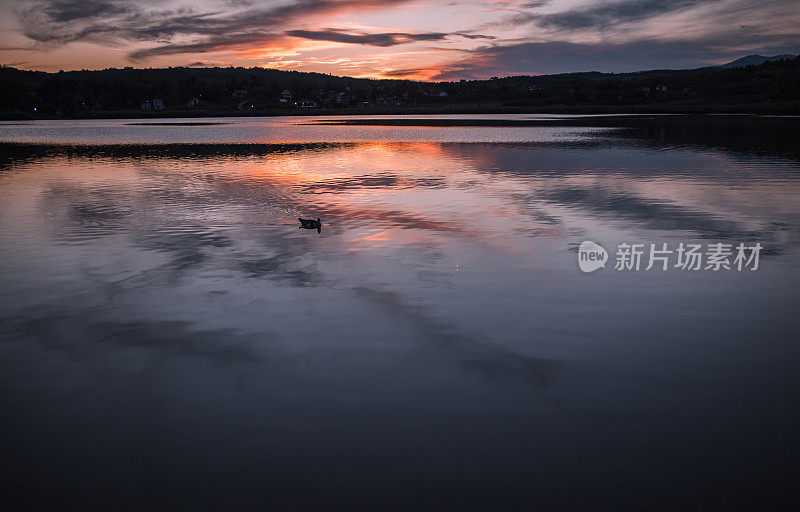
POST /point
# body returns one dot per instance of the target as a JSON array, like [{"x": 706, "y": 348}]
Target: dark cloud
[
  {"x": 609, "y": 14},
  {"x": 63, "y": 11},
  {"x": 212, "y": 44},
  {"x": 380, "y": 39},
  {"x": 209, "y": 64},
  {"x": 405, "y": 72},
  {"x": 469, "y": 35},
  {"x": 149, "y": 29},
  {"x": 602, "y": 15},
  {"x": 564, "y": 57},
  {"x": 57, "y": 22},
  {"x": 61, "y": 22}
]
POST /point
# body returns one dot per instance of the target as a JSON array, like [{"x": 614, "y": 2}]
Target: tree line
[{"x": 771, "y": 86}]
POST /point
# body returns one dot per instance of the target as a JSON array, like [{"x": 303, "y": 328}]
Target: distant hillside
[
  {"x": 755, "y": 60},
  {"x": 770, "y": 87}
]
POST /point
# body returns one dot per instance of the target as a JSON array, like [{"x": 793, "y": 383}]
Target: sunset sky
[{"x": 419, "y": 39}]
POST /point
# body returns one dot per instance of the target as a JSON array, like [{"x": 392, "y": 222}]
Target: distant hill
[
  {"x": 755, "y": 60},
  {"x": 772, "y": 86}
]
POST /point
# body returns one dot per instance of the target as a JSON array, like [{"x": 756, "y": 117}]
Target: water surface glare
[{"x": 169, "y": 338}]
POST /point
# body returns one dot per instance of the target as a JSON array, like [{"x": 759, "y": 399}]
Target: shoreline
[{"x": 777, "y": 108}]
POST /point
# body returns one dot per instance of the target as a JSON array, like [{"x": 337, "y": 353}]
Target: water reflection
[{"x": 434, "y": 344}]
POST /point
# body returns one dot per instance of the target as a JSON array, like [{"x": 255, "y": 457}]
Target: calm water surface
[{"x": 169, "y": 338}]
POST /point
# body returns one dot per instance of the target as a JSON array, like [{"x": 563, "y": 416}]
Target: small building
[
  {"x": 158, "y": 104},
  {"x": 239, "y": 93},
  {"x": 145, "y": 105},
  {"x": 286, "y": 94},
  {"x": 194, "y": 102}
]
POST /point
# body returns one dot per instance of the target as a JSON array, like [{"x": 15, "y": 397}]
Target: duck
[{"x": 310, "y": 224}]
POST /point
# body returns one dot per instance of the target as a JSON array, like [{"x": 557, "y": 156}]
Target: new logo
[{"x": 591, "y": 256}]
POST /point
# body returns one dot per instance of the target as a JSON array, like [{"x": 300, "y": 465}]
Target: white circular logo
[{"x": 591, "y": 256}]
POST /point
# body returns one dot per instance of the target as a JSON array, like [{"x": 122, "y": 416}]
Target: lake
[{"x": 170, "y": 339}]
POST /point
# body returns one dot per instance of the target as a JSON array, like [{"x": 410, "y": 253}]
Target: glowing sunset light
[{"x": 430, "y": 40}]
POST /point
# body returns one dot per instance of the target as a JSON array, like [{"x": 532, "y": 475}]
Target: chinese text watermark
[{"x": 685, "y": 257}]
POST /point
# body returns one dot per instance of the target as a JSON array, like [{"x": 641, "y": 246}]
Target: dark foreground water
[{"x": 169, "y": 338}]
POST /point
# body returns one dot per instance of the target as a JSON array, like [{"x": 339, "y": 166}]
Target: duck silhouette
[{"x": 310, "y": 224}]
